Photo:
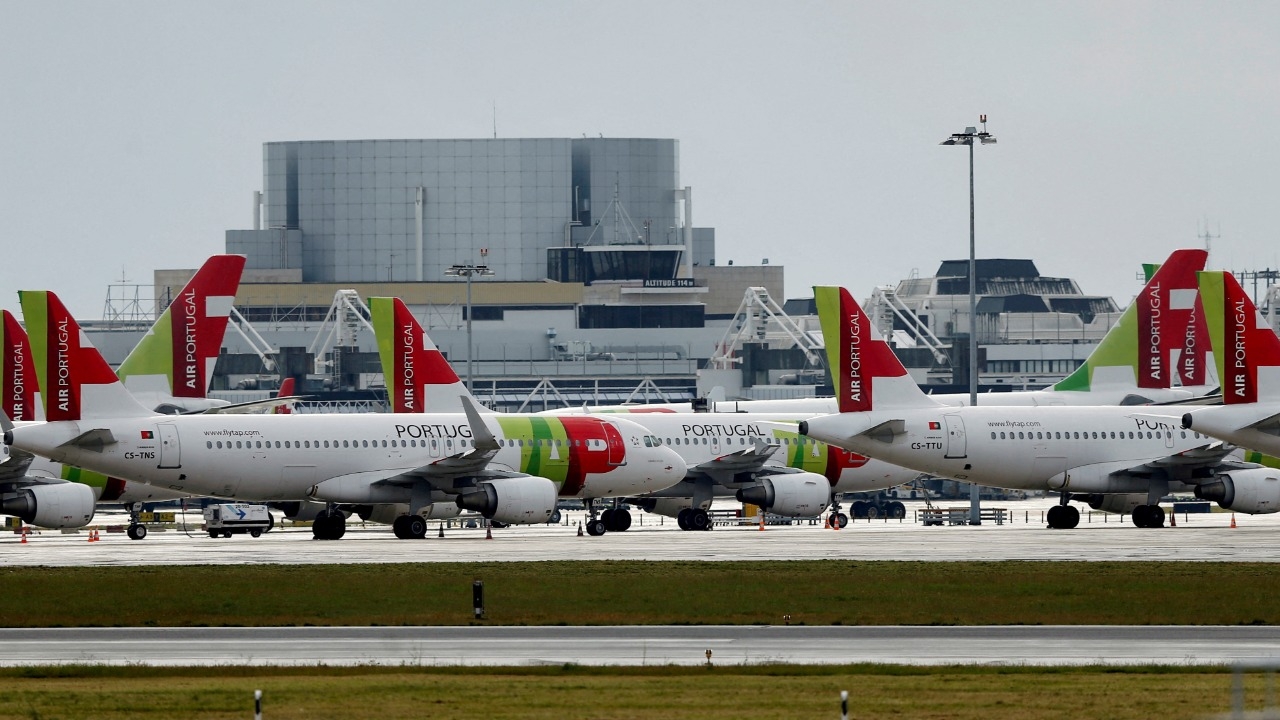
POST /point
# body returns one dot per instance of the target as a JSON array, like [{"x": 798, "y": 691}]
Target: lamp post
[
  {"x": 970, "y": 137},
  {"x": 467, "y": 271}
]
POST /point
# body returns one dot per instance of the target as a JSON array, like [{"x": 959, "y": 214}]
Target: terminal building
[{"x": 588, "y": 282}]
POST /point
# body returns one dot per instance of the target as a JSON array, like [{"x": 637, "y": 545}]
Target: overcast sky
[{"x": 131, "y": 132}]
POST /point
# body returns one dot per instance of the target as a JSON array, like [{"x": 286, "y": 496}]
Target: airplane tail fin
[
  {"x": 17, "y": 380},
  {"x": 76, "y": 382},
  {"x": 1138, "y": 350},
  {"x": 1245, "y": 348},
  {"x": 176, "y": 357},
  {"x": 419, "y": 378},
  {"x": 286, "y": 390},
  {"x": 1193, "y": 361},
  {"x": 866, "y": 373}
]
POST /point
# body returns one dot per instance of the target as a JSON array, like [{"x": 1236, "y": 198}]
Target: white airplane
[
  {"x": 508, "y": 468},
  {"x": 743, "y": 455},
  {"x": 1077, "y": 451},
  {"x": 168, "y": 370},
  {"x": 1248, "y": 355},
  {"x": 1133, "y": 365}
]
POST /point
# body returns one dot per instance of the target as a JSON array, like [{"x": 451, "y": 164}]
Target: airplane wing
[
  {"x": 1189, "y": 466},
  {"x": 747, "y": 460},
  {"x": 452, "y": 474},
  {"x": 252, "y": 406}
]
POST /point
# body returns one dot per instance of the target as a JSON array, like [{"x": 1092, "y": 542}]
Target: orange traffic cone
[
  {"x": 1173, "y": 519},
  {"x": 90, "y": 536},
  {"x": 1233, "y": 520},
  {"x": 24, "y": 536},
  {"x": 760, "y": 512},
  {"x": 488, "y": 531},
  {"x": 579, "y": 529}
]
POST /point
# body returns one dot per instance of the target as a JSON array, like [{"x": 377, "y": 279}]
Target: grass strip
[
  {"x": 1017, "y": 693},
  {"x": 645, "y": 593}
]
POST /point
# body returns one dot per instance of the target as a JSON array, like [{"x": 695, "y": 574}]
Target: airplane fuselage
[
  {"x": 1087, "y": 449},
  {"x": 280, "y": 457}
]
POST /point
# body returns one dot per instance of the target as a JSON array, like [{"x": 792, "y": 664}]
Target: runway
[
  {"x": 1198, "y": 537},
  {"x": 643, "y": 645}
]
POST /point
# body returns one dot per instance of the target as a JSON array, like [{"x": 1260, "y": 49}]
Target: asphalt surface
[
  {"x": 1198, "y": 537},
  {"x": 729, "y": 645}
]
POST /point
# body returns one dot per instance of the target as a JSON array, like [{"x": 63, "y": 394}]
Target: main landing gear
[
  {"x": 1148, "y": 516},
  {"x": 693, "y": 519},
  {"x": 1064, "y": 516},
  {"x": 330, "y": 524},
  {"x": 614, "y": 519},
  {"x": 410, "y": 527}
]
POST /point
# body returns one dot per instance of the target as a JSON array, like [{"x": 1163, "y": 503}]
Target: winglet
[{"x": 481, "y": 435}]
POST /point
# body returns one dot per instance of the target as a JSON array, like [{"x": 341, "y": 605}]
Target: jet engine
[
  {"x": 521, "y": 500},
  {"x": 794, "y": 494},
  {"x": 1255, "y": 491},
  {"x": 1119, "y": 503},
  {"x": 56, "y": 505}
]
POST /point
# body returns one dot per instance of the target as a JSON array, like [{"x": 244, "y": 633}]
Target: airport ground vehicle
[{"x": 227, "y": 519}]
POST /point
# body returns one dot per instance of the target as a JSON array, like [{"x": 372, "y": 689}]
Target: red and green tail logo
[
  {"x": 410, "y": 361},
  {"x": 1164, "y": 311},
  {"x": 19, "y": 381},
  {"x": 1242, "y": 340},
  {"x": 183, "y": 345},
  {"x": 1195, "y": 349},
  {"x": 856, "y": 353},
  {"x": 64, "y": 359}
]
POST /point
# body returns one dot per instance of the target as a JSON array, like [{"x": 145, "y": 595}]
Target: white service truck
[{"x": 227, "y": 519}]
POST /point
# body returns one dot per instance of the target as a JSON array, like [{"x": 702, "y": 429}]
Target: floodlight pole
[
  {"x": 467, "y": 271},
  {"x": 970, "y": 137}
]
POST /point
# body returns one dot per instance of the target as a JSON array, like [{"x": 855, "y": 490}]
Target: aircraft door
[
  {"x": 170, "y": 450},
  {"x": 957, "y": 446},
  {"x": 433, "y": 446}
]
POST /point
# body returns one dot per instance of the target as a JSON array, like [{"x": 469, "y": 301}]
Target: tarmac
[{"x": 1100, "y": 536}]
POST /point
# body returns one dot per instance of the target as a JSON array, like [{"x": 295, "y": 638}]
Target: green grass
[
  {"x": 641, "y": 593},
  {"x": 577, "y": 692}
]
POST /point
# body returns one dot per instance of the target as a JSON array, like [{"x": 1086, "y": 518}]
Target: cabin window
[
  {"x": 1002, "y": 436},
  {"x": 993, "y": 437},
  {"x": 1020, "y": 436}
]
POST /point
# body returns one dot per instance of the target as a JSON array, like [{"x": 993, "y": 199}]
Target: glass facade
[{"x": 356, "y": 204}]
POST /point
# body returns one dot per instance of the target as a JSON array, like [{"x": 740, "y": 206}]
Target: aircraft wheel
[
  {"x": 698, "y": 520},
  {"x": 596, "y": 528},
  {"x": 1070, "y": 518},
  {"x": 873, "y": 511},
  {"x": 137, "y": 532},
  {"x": 843, "y": 520},
  {"x": 415, "y": 527},
  {"x": 683, "y": 518},
  {"x": 338, "y": 526},
  {"x": 1140, "y": 516},
  {"x": 1055, "y": 518},
  {"x": 859, "y": 508},
  {"x": 271, "y": 522},
  {"x": 621, "y": 520},
  {"x": 606, "y": 517},
  {"x": 897, "y": 510},
  {"x": 397, "y": 527},
  {"x": 555, "y": 517},
  {"x": 1155, "y": 516}
]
